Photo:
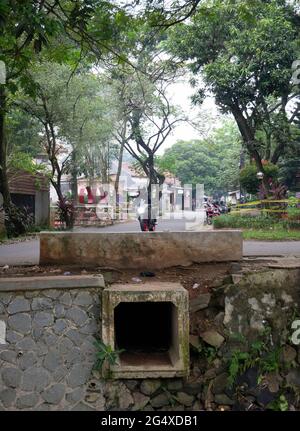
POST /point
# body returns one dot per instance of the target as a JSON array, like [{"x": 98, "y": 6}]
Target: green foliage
[
  {"x": 19, "y": 161},
  {"x": 75, "y": 107},
  {"x": 105, "y": 354},
  {"x": 249, "y": 181},
  {"x": 238, "y": 363},
  {"x": 207, "y": 352},
  {"x": 212, "y": 162},
  {"x": 293, "y": 201},
  {"x": 270, "y": 362},
  {"x": 210, "y": 353},
  {"x": 294, "y": 213},
  {"x": 280, "y": 404},
  {"x": 244, "y": 51},
  {"x": 264, "y": 221},
  {"x": 23, "y": 133},
  {"x": 265, "y": 358},
  {"x": 17, "y": 221},
  {"x": 243, "y": 221}
]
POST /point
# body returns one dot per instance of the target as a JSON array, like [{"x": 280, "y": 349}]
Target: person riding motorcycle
[{"x": 142, "y": 208}]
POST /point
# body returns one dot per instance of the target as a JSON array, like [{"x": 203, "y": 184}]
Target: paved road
[
  {"x": 272, "y": 248},
  {"x": 27, "y": 252},
  {"x": 21, "y": 253},
  {"x": 170, "y": 222}
]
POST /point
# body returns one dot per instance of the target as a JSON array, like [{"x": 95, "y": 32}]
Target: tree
[
  {"x": 244, "y": 51},
  {"x": 211, "y": 161},
  {"x": 147, "y": 117},
  {"x": 248, "y": 176},
  {"x": 64, "y": 31},
  {"x": 76, "y": 120}
]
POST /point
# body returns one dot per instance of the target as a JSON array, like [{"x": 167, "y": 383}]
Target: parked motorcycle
[
  {"x": 212, "y": 210},
  {"x": 223, "y": 208}
]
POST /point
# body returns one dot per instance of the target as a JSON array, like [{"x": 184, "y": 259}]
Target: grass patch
[
  {"x": 272, "y": 235},
  {"x": 263, "y": 221},
  {"x": 262, "y": 227}
]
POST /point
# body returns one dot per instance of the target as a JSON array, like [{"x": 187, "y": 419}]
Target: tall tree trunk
[
  {"x": 151, "y": 181},
  {"x": 3, "y": 166},
  {"x": 249, "y": 141},
  {"x": 119, "y": 170},
  {"x": 74, "y": 186}
]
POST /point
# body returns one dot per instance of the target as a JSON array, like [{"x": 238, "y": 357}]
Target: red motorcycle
[{"x": 212, "y": 210}]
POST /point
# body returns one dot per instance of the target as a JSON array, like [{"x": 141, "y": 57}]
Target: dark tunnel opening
[{"x": 144, "y": 330}]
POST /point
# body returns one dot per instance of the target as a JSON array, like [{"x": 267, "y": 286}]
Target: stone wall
[
  {"x": 151, "y": 250},
  {"x": 49, "y": 352}
]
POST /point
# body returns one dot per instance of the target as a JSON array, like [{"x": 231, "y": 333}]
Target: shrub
[
  {"x": 294, "y": 214},
  {"x": 246, "y": 222},
  {"x": 17, "y": 220},
  {"x": 263, "y": 221}
]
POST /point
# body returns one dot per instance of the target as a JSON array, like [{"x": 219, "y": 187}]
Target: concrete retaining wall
[{"x": 140, "y": 250}]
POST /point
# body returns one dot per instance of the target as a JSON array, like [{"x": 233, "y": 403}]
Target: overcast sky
[{"x": 180, "y": 95}]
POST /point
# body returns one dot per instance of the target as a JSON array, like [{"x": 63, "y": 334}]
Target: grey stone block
[
  {"x": 50, "y": 339},
  {"x": 59, "y": 311},
  {"x": 60, "y": 326},
  {"x": 78, "y": 375},
  {"x": 18, "y": 305},
  {"x": 5, "y": 298},
  {"x": 52, "y": 360},
  {"x": 75, "y": 336},
  {"x": 11, "y": 376},
  {"x": 8, "y": 396},
  {"x": 13, "y": 337},
  {"x": 54, "y": 394},
  {"x": 78, "y": 316},
  {"x": 66, "y": 299},
  {"x": 60, "y": 373},
  {"x": 41, "y": 304},
  {"x": 26, "y": 343},
  {"x": 8, "y": 356},
  {"x": 76, "y": 395},
  {"x": 91, "y": 327},
  {"x": 35, "y": 379},
  {"x": 27, "y": 360},
  {"x": 20, "y": 322},
  {"x": 42, "y": 319},
  {"x": 84, "y": 299},
  {"x": 73, "y": 357},
  {"x": 65, "y": 345},
  {"x": 27, "y": 401},
  {"x": 160, "y": 400}
]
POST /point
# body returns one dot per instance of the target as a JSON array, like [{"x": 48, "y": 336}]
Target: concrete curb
[
  {"x": 50, "y": 282},
  {"x": 140, "y": 250}
]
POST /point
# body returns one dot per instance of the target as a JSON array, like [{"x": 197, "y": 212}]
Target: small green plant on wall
[
  {"x": 280, "y": 404},
  {"x": 105, "y": 357},
  {"x": 258, "y": 355}
]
